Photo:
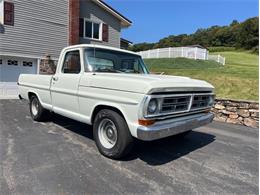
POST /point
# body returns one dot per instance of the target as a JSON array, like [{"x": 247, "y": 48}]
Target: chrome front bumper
[{"x": 175, "y": 126}]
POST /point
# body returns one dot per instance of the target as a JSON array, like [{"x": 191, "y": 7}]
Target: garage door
[{"x": 10, "y": 69}]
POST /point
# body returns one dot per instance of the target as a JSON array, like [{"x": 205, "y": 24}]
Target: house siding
[
  {"x": 40, "y": 28},
  {"x": 93, "y": 12}
]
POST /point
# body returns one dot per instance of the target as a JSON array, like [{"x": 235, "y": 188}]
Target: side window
[{"x": 71, "y": 63}]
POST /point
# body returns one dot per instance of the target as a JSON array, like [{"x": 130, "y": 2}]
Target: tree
[
  {"x": 234, "y": 22},
  {"x": 248, "y": 34},
  {"x": 240, "y": 35}
]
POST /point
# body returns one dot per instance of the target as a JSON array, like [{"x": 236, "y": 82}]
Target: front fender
[
  {"x": 130, "y": 114},
  {"x": 107, "y": 104}
]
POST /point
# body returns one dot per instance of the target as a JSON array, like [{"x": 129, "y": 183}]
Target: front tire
[
  {"x": 38, "y": 113},
  {"x": 111, "y": 134}
]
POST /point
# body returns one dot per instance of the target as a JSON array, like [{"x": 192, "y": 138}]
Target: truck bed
[{"x": 38, "y": 84}]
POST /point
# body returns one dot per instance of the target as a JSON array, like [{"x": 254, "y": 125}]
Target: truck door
[{"x": 64, "y": 85}]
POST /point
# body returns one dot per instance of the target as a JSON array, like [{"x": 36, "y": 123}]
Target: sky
[{"x": 156, "y": 19}]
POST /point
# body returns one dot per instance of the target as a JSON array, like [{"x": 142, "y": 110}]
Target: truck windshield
[{"x": 104, "y": 60}]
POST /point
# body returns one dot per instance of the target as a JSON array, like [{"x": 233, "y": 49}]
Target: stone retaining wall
[{"x": 237, "y": 112}]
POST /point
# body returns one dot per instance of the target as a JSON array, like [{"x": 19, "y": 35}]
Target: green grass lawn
[{"x": 237, "y": 79}]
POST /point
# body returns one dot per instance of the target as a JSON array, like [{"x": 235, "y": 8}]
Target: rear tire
[
  {"x": 111, "y": 134},
  {"x": 38, "y": 113}
]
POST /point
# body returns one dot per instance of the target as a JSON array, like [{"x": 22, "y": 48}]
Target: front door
[{"x": 64, "y": 86}]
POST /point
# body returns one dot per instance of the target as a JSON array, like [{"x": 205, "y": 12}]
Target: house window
[
  {"x": 92, "y": 30},
  {"x": 25, "y": 63},
  {"x": 7, "y": 12},
  {"x": 12, "y": 62}
]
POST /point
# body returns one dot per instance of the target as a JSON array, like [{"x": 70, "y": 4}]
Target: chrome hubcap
[
  {"x": 107, "y": 133},
  {"x": 35, "y": 106}
]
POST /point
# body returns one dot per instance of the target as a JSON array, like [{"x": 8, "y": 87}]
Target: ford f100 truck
[{"x": 113, "y": 90}]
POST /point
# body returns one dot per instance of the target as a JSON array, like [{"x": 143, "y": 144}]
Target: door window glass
[{"x": 71, "y": 63}]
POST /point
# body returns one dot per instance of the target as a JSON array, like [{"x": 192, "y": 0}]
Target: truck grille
[
  {"x": 200, "y": 101},
  {"x": 184, "y": 104},
  {"x": 175, "y": 104}
]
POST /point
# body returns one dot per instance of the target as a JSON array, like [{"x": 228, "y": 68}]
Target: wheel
[
  {"x": 38, "y": 113},
  {"x": 184, "y": 134},
  {"x": 111, "y": 134}
]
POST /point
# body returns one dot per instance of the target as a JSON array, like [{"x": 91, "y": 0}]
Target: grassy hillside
[{"x": 237, "y": 79}]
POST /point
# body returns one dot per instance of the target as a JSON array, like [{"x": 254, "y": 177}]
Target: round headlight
[{"x": 152, "y": 106}]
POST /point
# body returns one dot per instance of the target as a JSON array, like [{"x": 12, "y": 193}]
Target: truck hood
[{"x": 147, "y": 84}]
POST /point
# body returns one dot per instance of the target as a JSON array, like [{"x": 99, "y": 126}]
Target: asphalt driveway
[{"x": 60, "y": 157}]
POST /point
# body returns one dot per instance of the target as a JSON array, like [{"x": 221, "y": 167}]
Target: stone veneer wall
[
  {"x": 48, "y": 66},
  {"x": 237, "y": 112}
]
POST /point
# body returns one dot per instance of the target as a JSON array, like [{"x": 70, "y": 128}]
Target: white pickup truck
[{"x": 112, "y": 90}]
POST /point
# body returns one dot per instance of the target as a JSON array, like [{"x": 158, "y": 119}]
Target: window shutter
[
  {"x": 8, "y": 13},
  {"x": 81, "y": 27},
  {"x": 105, "y": 33}
]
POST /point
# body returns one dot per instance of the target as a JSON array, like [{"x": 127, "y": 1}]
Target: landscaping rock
[
  {"x": 220, "y": 118},
  {"x": 250, "y": 122},
  {"x": 214, "y": 110},
  {"x": 253, "y": 110},
  {"x": 233, "y": 121},
  {"x": 254, "y": 106},
  {"x": 237, "y": 112},
  {"x": 219, "y": 106},
  {"x": 243, "y": 105},
  {"x": 233, "y": 116},
  {"x": 233, "y": 104},
  {"x": 227, "y": 112},
  {"x": 232, "y": 109},
  {"x": 240, "y": 118},
  {"x": 254, "y": 113},
  {"x": 225, "y": 103},
  {"x": 243, "y": 112}
]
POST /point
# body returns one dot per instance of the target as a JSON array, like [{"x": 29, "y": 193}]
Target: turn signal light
[{"x": 146, "y": 122}]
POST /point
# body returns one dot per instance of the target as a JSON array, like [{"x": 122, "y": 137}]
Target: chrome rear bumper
[{"x": 173, "y": 126}]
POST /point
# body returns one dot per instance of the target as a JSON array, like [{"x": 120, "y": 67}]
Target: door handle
[{"x": 55, "y": 78}]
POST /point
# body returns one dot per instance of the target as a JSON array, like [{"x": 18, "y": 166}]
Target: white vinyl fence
[
  {"x": 182, "y": 52},
  {"x": 217, "y": 58}
]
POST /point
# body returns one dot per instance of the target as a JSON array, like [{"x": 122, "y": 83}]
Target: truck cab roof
[{"x": 99, "y": 46}]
